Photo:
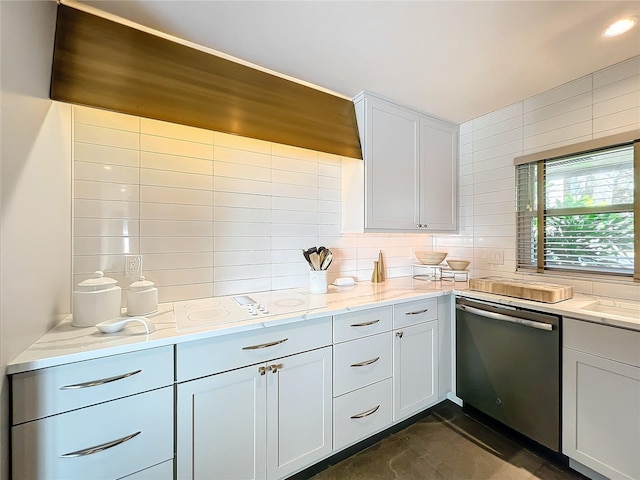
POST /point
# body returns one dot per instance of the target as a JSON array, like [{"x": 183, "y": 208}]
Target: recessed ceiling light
[{"x": 620, "y": 27}]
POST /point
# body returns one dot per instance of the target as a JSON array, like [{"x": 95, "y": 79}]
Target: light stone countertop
[{"x": 66, "y": 344}]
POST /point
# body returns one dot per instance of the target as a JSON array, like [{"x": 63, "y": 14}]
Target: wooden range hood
[{"x": 104, "y": 64}]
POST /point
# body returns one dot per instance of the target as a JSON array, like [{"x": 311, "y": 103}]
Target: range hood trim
[{"x": 105, "y": 64}]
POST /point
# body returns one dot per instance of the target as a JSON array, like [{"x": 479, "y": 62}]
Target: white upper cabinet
[
  {"x": 391, "y": 166},
  {"x": 409, "y": 170},
  {"x": 438, "y": 175}
]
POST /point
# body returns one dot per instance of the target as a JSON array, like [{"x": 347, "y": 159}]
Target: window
[{"x": 587, "y": 223}]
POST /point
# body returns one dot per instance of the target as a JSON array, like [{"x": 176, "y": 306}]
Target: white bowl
[
  {"x": 430, "y": 258},
  {"x": 458, "y": 265}
]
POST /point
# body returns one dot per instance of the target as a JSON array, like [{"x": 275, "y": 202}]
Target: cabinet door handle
[
  {"x": 96, "y": 383},
  {"x": 274, "y": 368},
  {"x": 365, "y": 363},
  {"x": 262, "y": 370},
  {"x": 399, "y": 334},
  {"x": 265, "y": 345},
  {"x": 365, "y": 324},
  {"x": 418, "y": 312},
  {"x": 99, "y": 448},
  {"x": 365, "y": 414}
]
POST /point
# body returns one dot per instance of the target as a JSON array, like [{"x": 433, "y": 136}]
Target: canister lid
[
  {"x": 97, "y": 282},
  {"x": 141, "y": 284}
]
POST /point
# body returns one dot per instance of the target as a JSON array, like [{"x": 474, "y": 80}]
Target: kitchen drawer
[
  {"x": 40, "y": 393},
  {"x": 352, "y": 325},
  {"x": 162, "y": 471},
  {"x": 362, "y": 362},
  {"x": 97, "y": 440},
  {"x": 602, "y": 340},
  {"x": 410, "y": 313},
  {"x": 360, "y": 414},
  {"x": 205, "y": 357}
]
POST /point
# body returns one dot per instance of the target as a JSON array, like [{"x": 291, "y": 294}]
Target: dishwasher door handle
[{"x": 506, "y": 318}]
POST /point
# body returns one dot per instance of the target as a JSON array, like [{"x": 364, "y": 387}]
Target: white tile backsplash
[
  {"x": 172, "y": 130},
  {"x": 597, "y": 105},
  {"x": 172, "y": 146},
  {"x": 105, "y": 118},
  {"x": 559, "y": 94},
  {"x": 106, "y": 173},
  {"x": 90, "y": 208},
  {"x": 182, "y": 196},
  {"x": 630, "y": 101},
  {"x": 213, "y": 213},
  {"x": 185, "y": 228},
  {"x": 175, "y": 163},
  {"x": 166, "y": 211},
  {"x": 87, "y": 152},
  {"x": 96, "y": 190},
  {"x": 559, "y": 108},
  {"x": 106, "y": 136},
  {"x": 615, "y": 73}
]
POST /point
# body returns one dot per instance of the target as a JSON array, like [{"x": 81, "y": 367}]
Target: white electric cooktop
[{"x": 207, "y": 312}]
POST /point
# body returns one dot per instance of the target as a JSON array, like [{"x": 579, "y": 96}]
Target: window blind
[{"x": 587, "y": 223}]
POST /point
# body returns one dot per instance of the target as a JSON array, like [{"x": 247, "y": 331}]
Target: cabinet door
[
  {"x": 299, "y": 411},
  {"x": 391, "y": 170},
  {"x": 221, "y": 426},
  {"x": 438, "y": 175},
  {"x": 415, "y": 369},
  {"x": 601, "y": 414}
]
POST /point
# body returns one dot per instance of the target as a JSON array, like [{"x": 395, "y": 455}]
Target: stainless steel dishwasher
[{"x": 508, "y": 367}]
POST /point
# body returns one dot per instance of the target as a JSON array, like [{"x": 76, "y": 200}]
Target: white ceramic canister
[
  {"x": 95, "y": 300},
  {"x": 142, "y": 298}
]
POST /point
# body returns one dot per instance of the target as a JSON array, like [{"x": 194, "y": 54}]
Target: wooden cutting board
[{"x": 537, "y": 291}]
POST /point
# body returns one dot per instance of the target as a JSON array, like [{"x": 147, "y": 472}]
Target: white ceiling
[{"x": 454, "y": 59}]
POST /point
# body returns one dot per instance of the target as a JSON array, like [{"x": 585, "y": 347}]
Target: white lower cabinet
[
  {"x": 415, "y": 369},
  {"x": 362, "y": 368},
  {"x": 261, "y": 421},
  {"x": 162, "y": 471},
  {"x": 360, "y": 414},
  {"x": 601, "y": 398},
  {"x": 103, "y": 418},
  {"x": 105, "y": 441}
]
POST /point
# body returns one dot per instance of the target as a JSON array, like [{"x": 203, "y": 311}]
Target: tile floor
[{"x": 447, "y": 445}]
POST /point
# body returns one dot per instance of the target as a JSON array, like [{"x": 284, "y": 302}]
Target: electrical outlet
[
  {"x": 495, "y": 256},
  {"x": 132, "y": 266}
]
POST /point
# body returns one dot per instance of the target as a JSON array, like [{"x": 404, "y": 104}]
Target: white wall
[
  {"x": 215, "y": 214},
  {"x": 211, "y": 213},
  {"x": 35, "y": 200},
  {"x": 601, "y": 104}
]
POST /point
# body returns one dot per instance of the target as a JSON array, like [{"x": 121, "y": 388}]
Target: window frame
[{"x": 539, "y": 161}]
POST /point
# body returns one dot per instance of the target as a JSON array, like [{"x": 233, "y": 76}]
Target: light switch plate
[{"x": 495, "y": 256}]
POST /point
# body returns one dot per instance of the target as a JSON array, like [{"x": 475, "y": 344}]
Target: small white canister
[
  {"x": 142, "y": 298},
  {"x": 95, "y": 300}
]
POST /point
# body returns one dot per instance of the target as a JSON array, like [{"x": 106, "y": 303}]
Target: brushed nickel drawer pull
[
  {"x": 365, "y": 324},
  {"x": 97, "y": 383},
  {"x": 418, "y": 312},
  {"x": 365, "y": 363},
  {"x": 365, "y": 414},
  {"x": 99, "y": 448},
  {"x": 265, "y": 345}
]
